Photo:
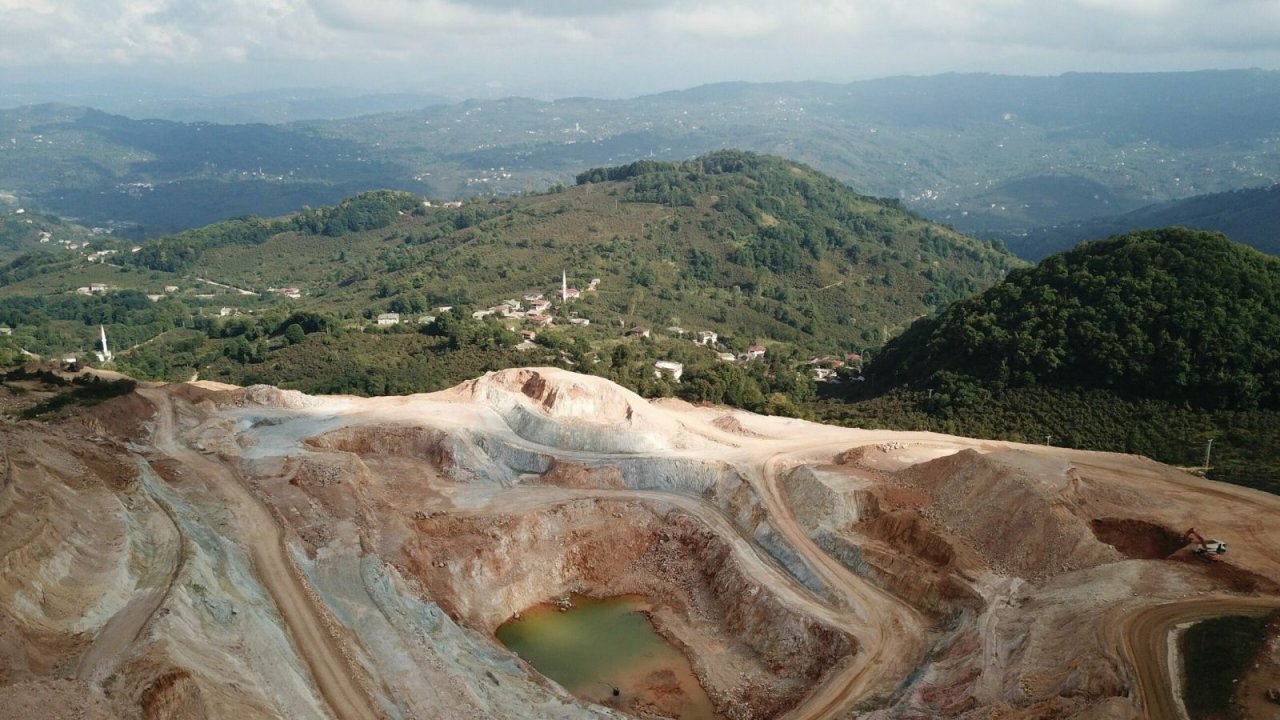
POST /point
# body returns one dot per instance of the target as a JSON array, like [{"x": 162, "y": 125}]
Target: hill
[
  {"x": 1247, "y": 216},
  {"x": 756, "y": 249},
  {"x": 1173, "y": 314},
  {"x": 985, "y": 153}
]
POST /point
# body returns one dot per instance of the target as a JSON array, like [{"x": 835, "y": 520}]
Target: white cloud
[{"x": 643, "y": 43}]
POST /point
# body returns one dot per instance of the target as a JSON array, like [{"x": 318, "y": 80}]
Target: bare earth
[{"x": 204, "y": 551}]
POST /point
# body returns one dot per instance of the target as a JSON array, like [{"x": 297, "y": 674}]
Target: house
[
  {"x": 226, "y": 311},
  {"x": 707, "y": 338},
  {"x": 528, "y": 335},
  {"x": 386, "y": 319},
  {"x": 532, "y": 297},
  {"x": 853, "y": 358},
  {"x": 289, "y": 292},
  {"x": 595, "y": 283},
  {"x": 538, "y": 319},
  {"x": 171, "y": 288},
  {"x": 568, "y": 293},
  {"x": 539, "y": 306},
  {"x": 754, "y": 352},
  {"x": 443, "y": 309},
  {"x": 822, "y": 374},
  {"x": 481, "y": 314},
  {"x": 82, "y": 290},
  {"x": 97, "y": 287},
  {"x": 579, "y": 321},
  {"x": 727, "y": 357},
  {"x": 639, "y": 332},
  {"x": 426, "y": 319},
  {"x": 670, "y": 367},
  {"x": 6, "y": 330}
]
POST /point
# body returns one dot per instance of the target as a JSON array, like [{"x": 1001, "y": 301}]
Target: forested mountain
[
  {"x": 1174, "y": 314},
  {"x": 1250, "y": 216},
  {"x": 991, "y": 154}
]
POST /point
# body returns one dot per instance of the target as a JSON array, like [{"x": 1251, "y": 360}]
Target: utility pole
[
  {"x": 1208, "y": 448},
  {"x": 1048, "y": 439}
]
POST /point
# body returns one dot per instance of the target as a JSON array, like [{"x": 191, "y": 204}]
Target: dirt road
[
  {"x": 336, "y": 679},
  {"x": 1145, "y": 638}
]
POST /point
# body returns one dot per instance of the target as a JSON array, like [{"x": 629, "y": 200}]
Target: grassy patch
[{"x": 1216, "y": 653}]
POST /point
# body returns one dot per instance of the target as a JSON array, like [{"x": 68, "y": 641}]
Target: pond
[{"x": 608, "y": 652}]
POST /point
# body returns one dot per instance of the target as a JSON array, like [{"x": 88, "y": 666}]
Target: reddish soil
[{"x": 1138, "y": 539}]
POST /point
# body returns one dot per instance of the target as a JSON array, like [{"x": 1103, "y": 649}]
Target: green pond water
[{"x": 600, "y": 645}]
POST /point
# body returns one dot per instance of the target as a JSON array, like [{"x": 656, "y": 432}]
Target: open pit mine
[{"x": 206, "y": 551}]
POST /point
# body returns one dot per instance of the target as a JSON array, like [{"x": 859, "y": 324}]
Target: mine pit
[
  {"x": 607, "y": 651},
  {"x": 690, "y": 618}
]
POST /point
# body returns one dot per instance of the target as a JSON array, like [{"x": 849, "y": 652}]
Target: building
[
  {"x": 98, "y": 287},
  {"x": 638, "y": 332},
  {"x": 481, "y": 314},
  {"x": 726, "y": 357},
  {"x": 386, "y": 319},
  {"x": 538, "y": 319},
  {"x": 707, "y": 338},
  {"x": 426, "y": 319},
  {"x": 669, "y": 367},
  {"x": 226, "y": 311},
  {"x": 754, "y": 352},
  {"x": 171, "y": 288},
  {"x": 579, "y": 321},
  {"x": 6, "y": 330}
]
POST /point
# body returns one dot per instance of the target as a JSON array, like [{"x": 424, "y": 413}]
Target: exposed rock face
[{"x": 194, "y": 551}]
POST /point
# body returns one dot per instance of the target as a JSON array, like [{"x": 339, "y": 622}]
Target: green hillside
[
  {"x": 757, "y": 249},
  {"x": 1179, "y": 315},
  {"x": 747, "y": 245}
]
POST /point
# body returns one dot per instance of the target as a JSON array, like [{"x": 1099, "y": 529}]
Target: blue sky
[{"x": 604, "y": 48}]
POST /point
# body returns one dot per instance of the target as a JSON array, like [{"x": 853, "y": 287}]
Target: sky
[{"x": 606, "y": 48}]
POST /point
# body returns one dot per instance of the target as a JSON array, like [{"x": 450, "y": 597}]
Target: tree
[{"x": 294, "y": 334}]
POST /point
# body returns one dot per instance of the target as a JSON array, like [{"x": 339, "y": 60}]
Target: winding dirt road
[{"x": 337, "y": 680}]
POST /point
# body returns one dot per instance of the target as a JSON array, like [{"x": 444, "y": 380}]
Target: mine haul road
[
  {"x": 262, "y": 535},
  {"x": 1145, "y": 637}
]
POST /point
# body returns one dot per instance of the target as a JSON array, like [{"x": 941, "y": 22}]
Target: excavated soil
[
  {"x": 202, "y": 551},
  {"x": 1138, "y": 538}
]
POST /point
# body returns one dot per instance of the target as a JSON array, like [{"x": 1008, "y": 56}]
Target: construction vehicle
[{"x": 1207, "y": 549}]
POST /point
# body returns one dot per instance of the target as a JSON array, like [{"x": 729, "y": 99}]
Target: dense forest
[{"x": 1175, "y": 314}]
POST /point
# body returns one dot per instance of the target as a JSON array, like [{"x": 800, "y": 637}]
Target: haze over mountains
[{"x": 985, "y": 153}]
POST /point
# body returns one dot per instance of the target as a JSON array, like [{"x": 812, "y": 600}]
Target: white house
[
  {"x": 389, "y": 319},
  {"x": 755, "y": 352},
  {"x": 707, "y": 338},
  {"x": 670, "y": 367}
]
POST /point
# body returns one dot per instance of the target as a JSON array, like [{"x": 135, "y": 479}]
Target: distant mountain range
[
  {"x": 985, "y": 153},
  {"x": 1250, "y": 216}
]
